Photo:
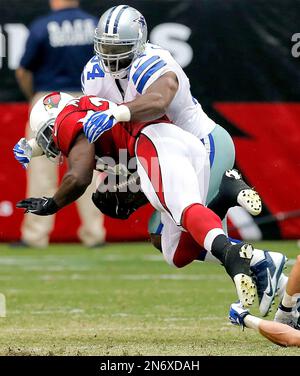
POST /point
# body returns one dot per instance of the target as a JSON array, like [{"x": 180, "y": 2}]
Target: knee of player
[
  {"x": 180, "y": 264},
  {"x": 298, "y": 260}
]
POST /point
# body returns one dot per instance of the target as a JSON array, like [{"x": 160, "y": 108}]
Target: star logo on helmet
[{"x": 141, "y": 21}]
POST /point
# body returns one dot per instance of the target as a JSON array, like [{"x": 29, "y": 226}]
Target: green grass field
[{"x": 122, "y": 299}]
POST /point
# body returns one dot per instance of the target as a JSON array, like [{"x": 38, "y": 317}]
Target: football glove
[
  {"x": 97, "y": 124},
  {"x": 39, "y": 206},
  {"x": 237, "y": 314},
  {"x": 23, "y": 152}
]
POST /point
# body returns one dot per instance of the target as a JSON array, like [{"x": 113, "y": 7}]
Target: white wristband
[
  {"x": 121, "y": 113},
  {"x": 36, "y": 149}
]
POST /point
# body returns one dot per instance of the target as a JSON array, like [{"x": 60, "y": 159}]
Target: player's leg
[
  {"x": 174, "y": 179},
  {"x": 293, "y": 285},
  {"x": 178, "y": 247},
  {"x": 227, "y": 188},
  {"x": 275, "y": 332},
  {"x": 35, "y": 230},
  {"x": 41, "y": 180},
  {"x": 289, "y": 308},
  {"x": 266, "y": 266}
]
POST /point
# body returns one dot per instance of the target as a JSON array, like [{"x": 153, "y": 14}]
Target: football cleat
[
  {"x": 236, "y": 191},
  {"x": 237, "y": 314},
  {"x": 237, "y": 264},
  {"x": 250, "y": 200},
  {"x": 266, "y": 274},
  {"x": 297, "y": 315},
  {"x": 289, "y": 315},
  {"x": 245, "y": 288}
]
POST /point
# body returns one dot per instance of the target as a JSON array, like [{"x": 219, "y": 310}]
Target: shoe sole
[
  {"x": 250, "y": 200},
  {"x": 245, "y": 288}
]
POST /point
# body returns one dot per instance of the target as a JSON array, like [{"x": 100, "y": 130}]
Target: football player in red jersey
[{"x": 172, "y": 165}]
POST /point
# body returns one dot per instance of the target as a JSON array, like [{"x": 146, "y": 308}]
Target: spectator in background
[{"x": 59, "y": 45}]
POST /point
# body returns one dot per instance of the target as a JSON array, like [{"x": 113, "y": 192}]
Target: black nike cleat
[
  {"x": 237, "y": 265},
  {"x": 234, "y": 191}
]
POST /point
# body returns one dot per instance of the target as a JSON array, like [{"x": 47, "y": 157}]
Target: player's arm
[
  {"x": 25, "y": 81},
  {"x": 81, "y": 161},
  {"x": 154, "y": 102},
  {"x": 30, "y": 61},
  {"x": 149, "y": 106},
  {"x": 25, "y": 150},
  {"x": 75, "y": 181}
]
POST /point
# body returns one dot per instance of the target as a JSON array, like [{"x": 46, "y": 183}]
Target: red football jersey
[{"x": 69, "y": 124}]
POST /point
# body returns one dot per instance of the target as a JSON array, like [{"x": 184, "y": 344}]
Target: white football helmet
[
  {"x": 120, "y": 38},
  {"x": 42, "y": 119}
]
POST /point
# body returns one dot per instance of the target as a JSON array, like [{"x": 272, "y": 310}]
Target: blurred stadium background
[
  {"x": 238, "y": 56},
  {"x": 243, "y": 64}
]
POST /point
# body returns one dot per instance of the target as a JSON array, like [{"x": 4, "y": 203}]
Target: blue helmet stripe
[
  {"x": 143, "y": 67},
  {"x": 108, "y": 19},
  {"x": 118, "y": 18},
  {"x": 148, "y": 74}
]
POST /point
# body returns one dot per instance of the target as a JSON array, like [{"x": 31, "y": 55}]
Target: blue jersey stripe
[
  {"x": 118, "y": 18},
  {"x": 148, "y": 74},
  {"x": 234, "y": 240},
  {"x": 212, "y": 149},
  {"x": 108, "y": 19},
  {"x": 143, "y": 67},
  {"x": 159, "y": 229},
  {"x": 194, "y": 100}
]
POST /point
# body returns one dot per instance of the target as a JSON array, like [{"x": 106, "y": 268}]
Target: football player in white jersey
[
  {"x": 151, "y": 83},
  {"x": 127, "y": 69}
]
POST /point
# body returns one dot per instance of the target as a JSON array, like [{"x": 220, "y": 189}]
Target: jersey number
[{"x": 96, "y": 70}]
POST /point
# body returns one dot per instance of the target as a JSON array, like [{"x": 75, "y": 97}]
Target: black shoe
[
  {"x": 237, "y": 264},
  {"x": 234, "y": 191}
]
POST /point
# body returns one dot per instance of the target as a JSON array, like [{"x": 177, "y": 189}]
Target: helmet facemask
[
  {"x": 116, "y": 56},
  {"x": 44, "y": 139}
]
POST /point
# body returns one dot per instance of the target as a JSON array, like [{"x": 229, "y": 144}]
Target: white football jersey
[{"x": 184, "y": 110}]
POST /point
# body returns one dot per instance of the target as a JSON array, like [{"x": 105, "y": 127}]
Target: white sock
[
  {"x": 252, "y": 322},
  {"x": 211, "y": 236},
  {"x": 209, "y": 257},
  {"x": 288, "y": 301}
]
